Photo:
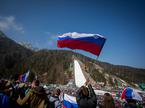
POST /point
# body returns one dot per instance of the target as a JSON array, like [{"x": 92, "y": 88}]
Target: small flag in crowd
[
  {"x": 130, "y": 93},
  {"x": 24, "y": 77},
  {"x": 69, "y": 101}
]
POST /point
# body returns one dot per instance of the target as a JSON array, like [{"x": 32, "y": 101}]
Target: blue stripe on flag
[{"x": 93, "y": 39}]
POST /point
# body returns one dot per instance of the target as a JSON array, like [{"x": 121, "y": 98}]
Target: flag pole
[{"x": 97, "y": 57}]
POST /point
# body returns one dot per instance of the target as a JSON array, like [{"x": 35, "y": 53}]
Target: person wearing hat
[{"x": 35, "y": 98}]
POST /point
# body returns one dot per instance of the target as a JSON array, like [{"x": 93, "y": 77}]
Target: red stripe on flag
[{"x": 77, "y": 44}]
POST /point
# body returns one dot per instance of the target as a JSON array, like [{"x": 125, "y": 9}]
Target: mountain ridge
[{"x": 54, "y": 66}]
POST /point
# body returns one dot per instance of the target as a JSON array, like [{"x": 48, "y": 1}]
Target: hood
[{"x": 39, "y": 90}]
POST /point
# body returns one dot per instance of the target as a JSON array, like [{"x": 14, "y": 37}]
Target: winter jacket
[
  {"x": 54, "y": 102},
  {"x": 89, "y": 101},
  {"x": 4, "y": 101},
  {"x": 35, "y": 98},
  {"x": 130, "y": 105}
]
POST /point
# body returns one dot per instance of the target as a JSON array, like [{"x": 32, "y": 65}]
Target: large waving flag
[
  {"x": 92, "y": 43},
  {"x": 69, "y": 102}
]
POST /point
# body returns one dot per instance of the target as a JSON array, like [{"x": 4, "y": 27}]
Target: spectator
[
  {"x": 5, "y": 90},
  {"x": 131, "y": 103},
  {"x": 108, "y": 101},
  {"x": 86, "y": 97},
  {"x": 54, "y": 100},
  {"x": 35, "y": 98}
]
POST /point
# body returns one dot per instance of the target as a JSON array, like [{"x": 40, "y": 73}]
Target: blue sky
[{"x": 39, "y": 22}]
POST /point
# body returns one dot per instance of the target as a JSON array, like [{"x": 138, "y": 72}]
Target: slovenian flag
[
  {"x": 69, "y": 101},
  {"x": 130, "y": 93},
  {"x": 24, "y": 76},
  {"x": 92, "y": 43}
]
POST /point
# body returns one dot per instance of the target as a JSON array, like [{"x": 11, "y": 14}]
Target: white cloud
[{"x": 9, "y": 23}]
